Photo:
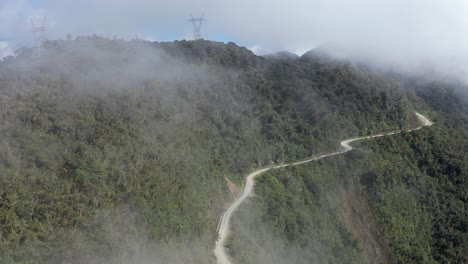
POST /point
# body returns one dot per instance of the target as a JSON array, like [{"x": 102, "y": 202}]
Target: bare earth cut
[{"x": 223, "y": 231}]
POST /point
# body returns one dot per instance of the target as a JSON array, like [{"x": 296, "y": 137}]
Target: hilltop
[{"x": 118, "y": 151}]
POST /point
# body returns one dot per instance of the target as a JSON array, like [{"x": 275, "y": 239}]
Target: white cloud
[
  {"x": 401, "y": 32},
  {"x": 5, "y": 50},
  {"x": 258, "y": 50},
  {"x": 15, "y": 26}
]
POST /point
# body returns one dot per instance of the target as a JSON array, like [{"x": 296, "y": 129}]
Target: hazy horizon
[{"x": 408, "y": 35}]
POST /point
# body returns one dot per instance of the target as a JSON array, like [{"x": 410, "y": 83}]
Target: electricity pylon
[
  {"x": 197, "y": 23},
  {"x": 38, "y": 30}
]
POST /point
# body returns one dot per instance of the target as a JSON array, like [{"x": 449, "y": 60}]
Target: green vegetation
[
  {"x": 399, "y": 199},
  {"x": 296, "y": 217},
  {"x": 114, "y": 151}
]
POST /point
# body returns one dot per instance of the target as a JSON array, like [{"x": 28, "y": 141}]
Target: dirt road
[{"x": 223, "y": 231}]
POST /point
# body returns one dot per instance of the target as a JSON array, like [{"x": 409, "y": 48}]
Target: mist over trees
[
  {"x": 117, "y": 152},
  {"x": 397, "y": 199}
]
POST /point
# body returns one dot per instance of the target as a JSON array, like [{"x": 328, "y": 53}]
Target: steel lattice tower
[
  {"x": 38, "y": 31},
  {"x": 197, "y": 23}
]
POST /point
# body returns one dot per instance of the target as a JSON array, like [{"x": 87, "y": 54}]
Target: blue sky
[
  {"x": 36, "y": 3},
  {"x": 406, "y": 33}
]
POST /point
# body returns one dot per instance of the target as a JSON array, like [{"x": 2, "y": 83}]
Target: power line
[{"x": 197, "y": 23}]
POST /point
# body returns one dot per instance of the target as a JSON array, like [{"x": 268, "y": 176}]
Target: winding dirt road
[{"x": 223, "y": 231}]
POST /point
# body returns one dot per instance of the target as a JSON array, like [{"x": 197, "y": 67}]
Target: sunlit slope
[
  {"x": 396, "y": 199},
  {"x": 112, "y": 150}
]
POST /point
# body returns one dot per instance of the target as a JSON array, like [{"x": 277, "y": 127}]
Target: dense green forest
[
  {"x": 396, "y": 199},
  {"x": 117, "y": 152}
]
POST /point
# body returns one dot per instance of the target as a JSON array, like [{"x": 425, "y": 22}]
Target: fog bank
[{"x": 411, "y": 35}]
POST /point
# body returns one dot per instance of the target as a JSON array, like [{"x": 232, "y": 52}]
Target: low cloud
[
  {"x": 5, "y": 50},
  {"x": 411, "y": 35}
]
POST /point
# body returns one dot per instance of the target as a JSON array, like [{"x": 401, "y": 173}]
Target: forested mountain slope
[
  {"x": 114, "y": 151},
  {"x": 396, "y": 199}
]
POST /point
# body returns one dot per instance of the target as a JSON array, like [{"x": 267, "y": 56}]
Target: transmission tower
[
  {"x": 197, "y": 23},
  {"x": 38, "y": 30}
]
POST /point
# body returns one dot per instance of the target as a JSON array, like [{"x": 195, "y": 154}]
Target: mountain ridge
[{"x": 113, "y": 149}]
